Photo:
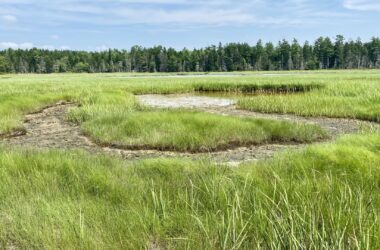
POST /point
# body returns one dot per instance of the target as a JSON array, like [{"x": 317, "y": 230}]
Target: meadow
[{"x": 323, "y": 196}]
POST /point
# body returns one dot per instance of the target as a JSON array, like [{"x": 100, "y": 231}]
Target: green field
[{"x": 325, "y": 195}]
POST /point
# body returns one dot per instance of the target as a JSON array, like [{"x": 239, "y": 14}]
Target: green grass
[
  {"x": 248, "y": 88},
  {"x": 192, "y": 131},
  {"x": 353, "y": 94},
  {"x": 325, "y": 196},
  {"x": 347, "y": 97}
]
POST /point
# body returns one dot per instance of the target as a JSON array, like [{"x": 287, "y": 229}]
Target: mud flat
[
  {"x": 49, "y": 128},
  {"x": 184, "y": 101}
]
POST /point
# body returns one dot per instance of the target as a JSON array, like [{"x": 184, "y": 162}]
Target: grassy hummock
[{"x": 193, "y": 131}]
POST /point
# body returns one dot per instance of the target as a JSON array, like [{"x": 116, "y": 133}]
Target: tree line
[{"x": 324, "y": 53}]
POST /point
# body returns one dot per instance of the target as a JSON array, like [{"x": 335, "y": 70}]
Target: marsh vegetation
[{"x": 323, "y": 195}]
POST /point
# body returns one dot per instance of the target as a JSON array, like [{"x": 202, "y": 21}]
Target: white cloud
[
  {"x": 12, "y": 45},
  {"x": 9, "y": 18},
  {"x": 81, "y": 8},
  {"x": 362, "y": 5},
  {"x": 48, "y": 47},
  {"x": 102, "y": 48},
  {"x": 29, "y": 45},
  {"x": 14, "y": 1},
  {"x": 202, "y": 16},
  {"x": 151, "y": 12},
  {"x": 155, "y": 1},
  {"x": 178, "y": 13}
]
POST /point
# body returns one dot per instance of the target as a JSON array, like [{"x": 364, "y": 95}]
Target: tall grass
[
  {"x": 273, "y": 87},
  {"x": 323, "y": 197},
  {"x": 349, "y": 98}
]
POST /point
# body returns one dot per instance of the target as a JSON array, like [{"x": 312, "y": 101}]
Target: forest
[{"x": 324, "y": 53}]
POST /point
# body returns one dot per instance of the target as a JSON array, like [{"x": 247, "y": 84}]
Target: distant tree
[
  {"x": 257, "y": 56},
  {"x": 296, "y": 55},
  {"x": 41, "y": 65},
  {"x": 339, "y": 52},
  {"x": 325, "y": 53},
  {"x": 374, "y": 52},
  {"x": 270, "y": 57},
  {"x": 3, "y": 65},
  {"x": 81, "y": 67}
]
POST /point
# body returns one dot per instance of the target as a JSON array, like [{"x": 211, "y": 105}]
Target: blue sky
[{"x": 100, "y": 24}]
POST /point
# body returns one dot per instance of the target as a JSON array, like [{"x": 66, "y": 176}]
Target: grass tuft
[{"x": 192, "y": 131}]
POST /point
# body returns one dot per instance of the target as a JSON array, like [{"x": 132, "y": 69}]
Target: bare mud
[
  {"x": 227, "y": 107},
  {"x": 184, "y": 101},
  {"x": 51, "y": 129}
]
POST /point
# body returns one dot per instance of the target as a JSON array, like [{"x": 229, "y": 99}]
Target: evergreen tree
[
  {"x": 325, "y": 53},
  {"x": 3, "y": 65}
]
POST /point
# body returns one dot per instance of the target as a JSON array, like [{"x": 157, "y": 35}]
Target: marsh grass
[
  {"x": 265, "y": 87},
  {"x": 353, "y": 94},
  {"x": 325, "y": 196},
  {"x": 193, "y": 131},
  {"x": 345, "y": 98}
]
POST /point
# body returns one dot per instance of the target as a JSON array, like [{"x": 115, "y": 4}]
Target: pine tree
[{"x": 3, "y": 65}]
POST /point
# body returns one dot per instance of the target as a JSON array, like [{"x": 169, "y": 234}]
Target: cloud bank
[
  {"x": 173, "y": 12},
  {"x": 362, "y": 5}
]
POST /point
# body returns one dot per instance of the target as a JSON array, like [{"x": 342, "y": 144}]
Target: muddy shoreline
[{"x": 49, "y": 128}]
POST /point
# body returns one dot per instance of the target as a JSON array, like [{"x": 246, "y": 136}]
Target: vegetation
[
  {"x": 323, "y": 197},
  {"x": 336, "y": 93},
  {"x": 257, "y": 87},
  {"x": 346, "y": 97},
  {"x": 192, "y": 131},
  {"x": 323, "y": 54}
]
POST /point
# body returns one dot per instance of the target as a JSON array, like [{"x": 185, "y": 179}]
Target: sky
[{"x": 96, "y": 25}]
